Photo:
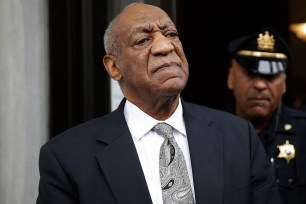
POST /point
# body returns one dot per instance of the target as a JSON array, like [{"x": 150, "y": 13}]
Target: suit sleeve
[
  {"x": 263, "y": 182},
  {"x": 54, "y": 185}
]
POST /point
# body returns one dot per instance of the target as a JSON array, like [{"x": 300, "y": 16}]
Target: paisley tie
[{"x": 174, "y": 177}]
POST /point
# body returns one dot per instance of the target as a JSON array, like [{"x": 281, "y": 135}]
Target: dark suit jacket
[{"x": 97, "y": 163}]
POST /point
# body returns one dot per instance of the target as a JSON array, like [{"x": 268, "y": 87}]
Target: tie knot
[{"x": 163, "y": 129}]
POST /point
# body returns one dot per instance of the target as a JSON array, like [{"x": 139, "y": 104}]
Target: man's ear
[{"x": 109, "y": 62}]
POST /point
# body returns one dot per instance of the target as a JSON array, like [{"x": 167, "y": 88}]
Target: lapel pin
[{"x": 288, "y": 127}]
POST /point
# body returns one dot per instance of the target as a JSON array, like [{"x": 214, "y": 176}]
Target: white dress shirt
[{"x": 148, "y": 142}]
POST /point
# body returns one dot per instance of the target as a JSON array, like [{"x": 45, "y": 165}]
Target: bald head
[{"x": 119, "y": 25}]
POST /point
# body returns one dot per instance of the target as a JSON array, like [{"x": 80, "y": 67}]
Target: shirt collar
[{"x": 135, "y": 118}]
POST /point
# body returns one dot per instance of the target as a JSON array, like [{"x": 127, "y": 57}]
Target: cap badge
[
  {"x": 286, "y": 151},
  {"x": 265, "y": 41}
]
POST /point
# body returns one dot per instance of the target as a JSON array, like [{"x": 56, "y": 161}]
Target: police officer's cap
[{"x": 262, "y": 52}]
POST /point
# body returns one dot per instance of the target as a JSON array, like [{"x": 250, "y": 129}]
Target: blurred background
[{"x": 52, "y": 76}]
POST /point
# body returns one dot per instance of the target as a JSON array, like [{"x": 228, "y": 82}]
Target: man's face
[
  {"x": 151, "y": 59},
  {"x": 257, "y": 96}
]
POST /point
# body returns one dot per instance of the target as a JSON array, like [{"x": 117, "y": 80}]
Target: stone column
[{"x": 23, "y": 97}]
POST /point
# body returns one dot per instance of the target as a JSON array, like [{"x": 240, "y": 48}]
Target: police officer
[{"x": 257, "y": 80}]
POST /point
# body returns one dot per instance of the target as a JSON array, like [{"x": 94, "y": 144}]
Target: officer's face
[{"x": 257, "y": 96}]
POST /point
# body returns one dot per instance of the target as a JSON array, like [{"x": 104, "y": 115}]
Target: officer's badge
[{"x": 286, "y": 151}]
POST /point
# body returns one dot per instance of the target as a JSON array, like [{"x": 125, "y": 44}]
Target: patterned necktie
[{"x": 174, "y": 177}]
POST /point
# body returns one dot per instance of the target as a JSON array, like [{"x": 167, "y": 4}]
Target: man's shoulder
[
  {"x": 94, "y": 126},
  {"x": 79, "y": 132},
  {"x": 220, "y": 122},
  {"x": 213, "y": 113}
]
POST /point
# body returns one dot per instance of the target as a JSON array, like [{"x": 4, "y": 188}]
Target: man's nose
[
  {"x": 260, "y": 82},
  {"x": 161, "y": 45}
]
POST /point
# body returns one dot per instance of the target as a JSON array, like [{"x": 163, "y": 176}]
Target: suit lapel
[
  {"x": 205, "y": 145},
  {"x": 120, "y": 164}
]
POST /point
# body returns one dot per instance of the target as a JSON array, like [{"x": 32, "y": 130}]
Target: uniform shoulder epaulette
[{"x": 296, "y": 113}]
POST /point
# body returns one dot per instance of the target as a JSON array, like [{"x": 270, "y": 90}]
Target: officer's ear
[
  {"x": 110, "y": 65},
  {"x": 230, "y": 78},
  {"x": 284, "y": 84}
]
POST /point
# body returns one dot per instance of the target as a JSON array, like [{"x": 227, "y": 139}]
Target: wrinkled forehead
[{"x": 139, "y": 16}]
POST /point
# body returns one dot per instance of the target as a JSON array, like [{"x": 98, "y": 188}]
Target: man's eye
[
  {"x": 142, "y": 41},
  {"x": 269, "y": 78},
  {"x": 272, "y": 78},
  {"x": 250, "y": 74},
  {"x": 172, "y": 34}
]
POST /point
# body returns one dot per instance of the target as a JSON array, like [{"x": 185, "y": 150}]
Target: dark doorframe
[{"x": 79, "y": 86}]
